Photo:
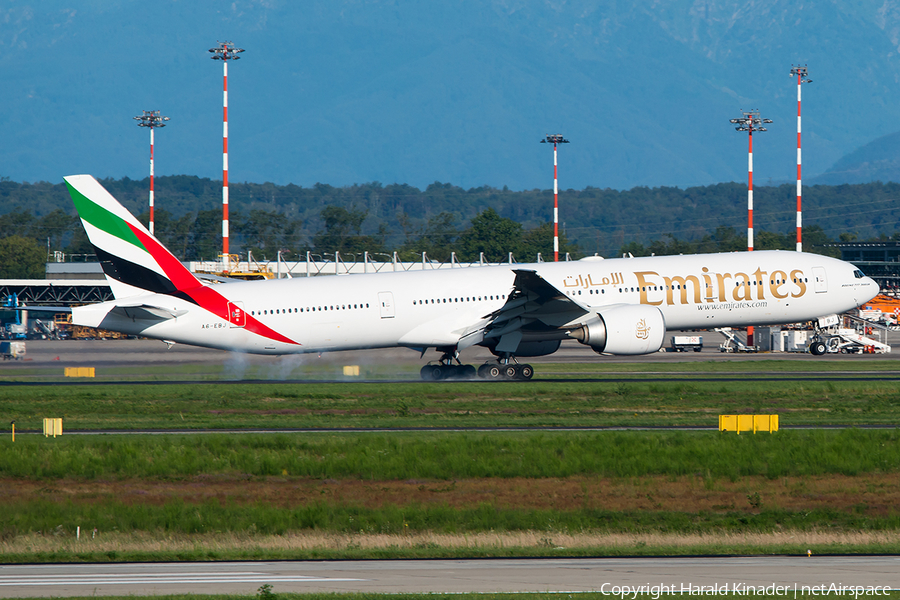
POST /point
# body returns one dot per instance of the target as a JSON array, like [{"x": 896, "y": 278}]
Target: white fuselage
[{"x": 433, "y": 308}]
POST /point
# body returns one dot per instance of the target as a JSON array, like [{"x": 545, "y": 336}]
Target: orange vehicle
[{"x": 888, "y": 306}]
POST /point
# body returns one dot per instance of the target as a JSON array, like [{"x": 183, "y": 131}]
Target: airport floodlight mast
[
  {"x": 555, "y": 139},
  {"x": 225, "y": 51},
  {"x": 802, "y": 77},
  {"x": 151, "y": 119},
  {"x": 750, "y": 122}
]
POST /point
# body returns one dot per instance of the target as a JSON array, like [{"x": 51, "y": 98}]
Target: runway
[
  {"x": 130, "y": 360},
  {"x": 154, "y": 352},
  {"x": 605, "y": 575}
]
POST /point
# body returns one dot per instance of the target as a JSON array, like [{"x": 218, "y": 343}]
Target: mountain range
[{"x": 395, "y": 91}]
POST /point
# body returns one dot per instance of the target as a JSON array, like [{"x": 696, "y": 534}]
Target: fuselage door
[
  {"x": 821, "y": 283},
  {"x": 386, "y": 299},
  {"x": 236, "y": 315}
]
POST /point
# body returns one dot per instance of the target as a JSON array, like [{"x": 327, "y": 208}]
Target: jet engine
[{"x": 628, "y": 329}]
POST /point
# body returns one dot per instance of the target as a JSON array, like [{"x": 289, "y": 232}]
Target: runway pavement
[
  {"x": 124, "y": 353},
  {"x": 605, "y": 575}
]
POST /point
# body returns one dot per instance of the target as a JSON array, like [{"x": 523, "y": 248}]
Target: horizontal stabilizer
[
  {"x": 46, "y": 309},
  {"x": 146, "y": 312}
]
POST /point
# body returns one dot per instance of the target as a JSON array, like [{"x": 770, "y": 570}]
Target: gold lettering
[
  {"x": 778, "y": 279},
  {"x": 742, "y": 290},
  {"x": 643, "y": 284},
  {"x": 682, "y": 284},
  {"x": 797, "y": 277},
  {"x": 760, "y": 275},
  {"x": 721, "y": 278},
  {"x": 707, "y": 280}
]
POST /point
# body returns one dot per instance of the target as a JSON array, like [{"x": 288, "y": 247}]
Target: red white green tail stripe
[{"x": 135, "y": 263}]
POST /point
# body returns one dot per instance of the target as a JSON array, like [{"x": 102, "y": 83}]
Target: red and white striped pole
[
  {"x": 225, "y": 52},
  {"x": 151, "y": 119},
  {"x": 750, "y": 329},
  {"x": 151, "y": 181},
  {"x": 799, "y": 178},
  {"x": 225, "y": 164},
  {"x": 555, "y": 208},
  {"x": 750, "y": 195},
  {"x": 555, "y": 139},
  {"x": 801, "y": 74},
  {"x": 750, "y": 122}
]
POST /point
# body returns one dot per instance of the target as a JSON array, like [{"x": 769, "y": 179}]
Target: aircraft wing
[{"x": 534, "y": 305}]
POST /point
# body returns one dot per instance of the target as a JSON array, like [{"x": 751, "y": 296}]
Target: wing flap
[{"x": 533, "y": 303}]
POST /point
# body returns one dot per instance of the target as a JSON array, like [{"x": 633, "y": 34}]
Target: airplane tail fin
[{"x": 134, "y": 261}]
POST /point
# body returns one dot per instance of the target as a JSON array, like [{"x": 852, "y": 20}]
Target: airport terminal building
[{"x": 878, "y": 260}]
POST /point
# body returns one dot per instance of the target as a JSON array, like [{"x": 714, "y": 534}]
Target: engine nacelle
[{"x": 631, "y": 329}]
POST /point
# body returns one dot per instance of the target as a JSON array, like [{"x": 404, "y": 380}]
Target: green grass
[
  {"x": 448, "y": 456},
  {"x": 244, "y": 459},
  {"x": 176, "y": 516},
  {"x": 68, "y": 552},
  {"x": 443, "y": 456},
  {"x": 462, "y": 404}
]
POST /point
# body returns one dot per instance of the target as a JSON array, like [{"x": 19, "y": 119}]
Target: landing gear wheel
[
  {"x": 818, "y": 348},
  {"x": 433, "y": 372},
  {"x": 494, "y": 372},
  {"x": 483, "y": 371},
  {"x": 511, "y": 372},
  {"x": 526, "y": 372},
  {"x": 467, "y": 372}
]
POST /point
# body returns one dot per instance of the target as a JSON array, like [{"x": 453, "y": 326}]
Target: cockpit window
[{"x": 858, "y": 274}]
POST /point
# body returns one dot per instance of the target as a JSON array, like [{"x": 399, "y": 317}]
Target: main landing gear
[
  {"x": 507, "y": 371},
  {"x": 442, "y": 371},
  {"x": 445, "y": 369}
]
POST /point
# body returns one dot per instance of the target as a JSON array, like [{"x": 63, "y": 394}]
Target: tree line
[{"x": 442, "y": 218}]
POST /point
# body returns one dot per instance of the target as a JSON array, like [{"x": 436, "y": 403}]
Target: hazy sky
[{"x": 346, "y": 91}]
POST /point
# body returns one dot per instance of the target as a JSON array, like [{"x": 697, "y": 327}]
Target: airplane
[{"x": 616, "y": 306}]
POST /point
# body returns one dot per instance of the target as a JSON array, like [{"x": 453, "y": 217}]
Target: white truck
[
  {"x": 12, "y": 350},
  {"x": 684, "y": 343}
]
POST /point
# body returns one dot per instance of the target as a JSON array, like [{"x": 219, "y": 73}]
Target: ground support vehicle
[
  {"x": 12, "y": 350},
  {"x": 685, "y": 343},
  {"x": 732, "y": 343}
]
